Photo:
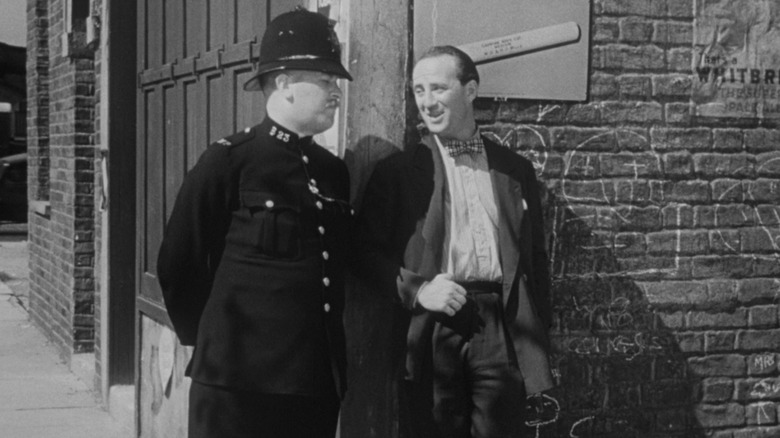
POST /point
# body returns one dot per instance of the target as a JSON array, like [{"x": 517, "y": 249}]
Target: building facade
[{"x": 661, "y": 187}]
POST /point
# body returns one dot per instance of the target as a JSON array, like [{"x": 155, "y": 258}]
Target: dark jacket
[
  {"x": 401, "y": 232},
  {"x": 251, "y": 267}
]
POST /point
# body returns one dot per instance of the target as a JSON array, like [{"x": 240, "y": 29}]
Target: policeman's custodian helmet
[{"x": 299, "y": 40}]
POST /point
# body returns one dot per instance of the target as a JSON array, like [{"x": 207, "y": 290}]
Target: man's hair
[{"x": 467, "y": 70}]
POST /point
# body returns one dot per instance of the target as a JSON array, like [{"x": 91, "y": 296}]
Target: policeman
[{"x": 252, "y": 259}]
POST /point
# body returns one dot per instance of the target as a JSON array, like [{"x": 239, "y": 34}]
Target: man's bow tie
[{"x": 470, "y": 146}]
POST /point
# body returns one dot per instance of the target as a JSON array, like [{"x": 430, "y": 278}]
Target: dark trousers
[
  {"x": 477, "y": 390},
  {"x": 217, "y": 412}
]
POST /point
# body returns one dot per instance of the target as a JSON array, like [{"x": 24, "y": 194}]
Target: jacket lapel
[
  {"x": 509, "y": 200},
  {"x": 433, "y": 223}
]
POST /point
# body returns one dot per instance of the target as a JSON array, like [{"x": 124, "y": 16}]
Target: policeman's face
[
  {"x": 315, "y": 98},
  {"x": 445, "y": 104}
]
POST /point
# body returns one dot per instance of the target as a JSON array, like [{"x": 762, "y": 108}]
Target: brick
[
  {"x": 767, "y": 388},
  {"x": 719, "y": 342},
  {"x": 762, "y": 364},
  {"x": 680, "y": 139},
  {"x": 722, "y": 293},
  {"x": 764, "y": 413},
  {"x": 631, "y": 112},
  {"x": 633, "y": 86},
  {"x": 701, "y": 320},
  {"x": 766, "y": 266},
  {"x": 583, "y": 139},
  {"x": 581, "y": 165},
  {"x": 733, "y": 215},
  {"x": 759, "y": 239},
  {"x": 583, "y": 114},
  {"x": 588, "y": 191},
  {"x": 632, "y": 58},
  {"x": 633, "y": 191},
  {"x": 690, "y": 192},
  {"x": 679, "y": 60},
  {"x": 677, "y": 165},
  {"x": 762, "y": 140},
  {"x": 674, "y": 292},
  {"x": 728, "y": 190},
  {"x": 717, "y": 165},
  {"x": 724, "y": 241},
  {"x": 768, "y": 164},
  {"x": 648, "y": 8},
  {"x": 721, "y": 266},
  {"x": 753, "y": 340},
  {"x": 678, "y": 242},
  {"x": 635, "y": 30},
  {"x": 637, "y": 165},
  {"x": 727, "y": 140},
  {"x": 603, "y": 86},
  {"x": 717, "y": 389},
  {"x": 724, "y": 415},
  {"x": 677, "y": 216},
  {"x": 673, "y": 33},
  {"x": 678, "y": 113},
  {"x": 638, "y": 218},
  {"x": 763, "y": 316},
  {"x": 671, "y": 86},
  {"x": 605, "y": 30}
]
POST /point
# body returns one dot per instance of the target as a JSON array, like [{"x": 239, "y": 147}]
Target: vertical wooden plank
[
  {"x": 250, "y": 105},
  {"x": 195, "y": 27},
  {"x": 219, "y": 25},
  {"x": 220, "y": 114},
  {"x": 196, "y": 130},
  {"x": 376, "y": 124},
  {"x": 175, "y": 146},
  {"x": 282, "y": 6},
  {"x": 174, "y": 30},
  {"x": 154, "y": 36},
  {"x": 154, "y": 146},
  {"x": 251, "y": 17}
]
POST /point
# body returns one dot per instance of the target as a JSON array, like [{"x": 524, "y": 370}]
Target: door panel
[{"x": 193, "y": 59}]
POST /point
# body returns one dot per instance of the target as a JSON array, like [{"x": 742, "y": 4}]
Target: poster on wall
[
  {"x": 737, "y": 59},
  {"x": 531, "y": 49}
]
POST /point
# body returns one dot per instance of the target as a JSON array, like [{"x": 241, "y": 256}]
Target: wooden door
[{"x": 193, "y": 59}]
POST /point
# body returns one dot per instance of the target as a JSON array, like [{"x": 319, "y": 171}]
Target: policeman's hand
[{"x": 442, "y": 295}]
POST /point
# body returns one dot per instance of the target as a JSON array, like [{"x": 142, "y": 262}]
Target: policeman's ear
[{"x": 283, "y": 82}]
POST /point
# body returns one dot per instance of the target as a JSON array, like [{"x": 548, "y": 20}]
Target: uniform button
[
  {"x": 319, "y": 205},
  {"x": 326, "y": 306},
  {"x": 352, "y": 211},
  {"x": 313, "y": 182},
  {"x": 306, "y": 159},
  {"x": 326, "y": 281},
  {"x": 246, "y": 130},
  {"x": 321, "y": 229},
  {"x": 269, "y": 203},
  {"x": 325, "y": 255}
]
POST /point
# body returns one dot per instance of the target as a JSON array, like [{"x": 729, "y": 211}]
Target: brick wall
[
  {"x": 663, "y": 240},
  {"x": 62, "y": 241}
]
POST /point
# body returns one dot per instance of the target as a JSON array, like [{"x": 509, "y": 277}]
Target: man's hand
[{"x": 442, "y": 295}]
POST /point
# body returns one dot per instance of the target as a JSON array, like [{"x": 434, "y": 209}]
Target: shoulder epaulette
[{"x": 237, "y": 138}]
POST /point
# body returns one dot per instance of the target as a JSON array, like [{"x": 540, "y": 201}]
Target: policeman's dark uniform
[{"x": 251, "y": 268}]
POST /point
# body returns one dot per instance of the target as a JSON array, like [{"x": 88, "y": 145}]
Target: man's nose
[{"x": 426, "y": 99}]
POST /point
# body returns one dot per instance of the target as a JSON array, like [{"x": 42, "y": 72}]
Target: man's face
[
  {"x": 315, "y": 98},
  {"x": 444, "y": 103}
]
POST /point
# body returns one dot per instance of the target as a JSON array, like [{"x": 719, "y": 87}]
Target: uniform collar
[{"x": 281, "y": 135}]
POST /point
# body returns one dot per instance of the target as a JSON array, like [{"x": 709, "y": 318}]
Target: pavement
[{"x": 40, "y": 397}]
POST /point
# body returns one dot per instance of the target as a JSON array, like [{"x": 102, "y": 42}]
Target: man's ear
[{"x": 472, "y": 89}]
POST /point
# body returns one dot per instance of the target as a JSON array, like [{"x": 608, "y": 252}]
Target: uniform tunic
[{"x": 251, "y": 264}]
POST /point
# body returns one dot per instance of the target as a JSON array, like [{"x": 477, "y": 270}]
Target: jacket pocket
[{"x": 274, "y": 227}]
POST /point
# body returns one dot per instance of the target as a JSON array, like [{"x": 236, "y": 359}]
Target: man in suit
[
  {"x": 453, "y": 226},
  {"x": 252, "y": 260}
]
